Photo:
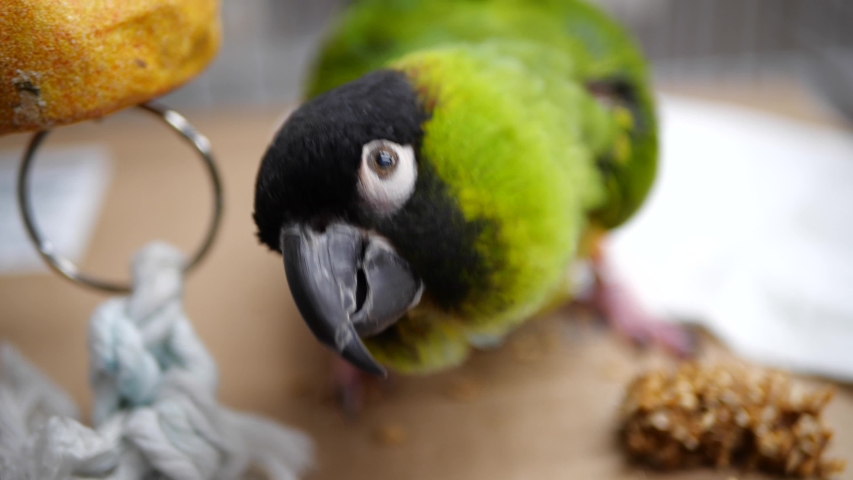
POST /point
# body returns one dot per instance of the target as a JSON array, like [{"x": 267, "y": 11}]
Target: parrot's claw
[{"x": 621, "y": 309}]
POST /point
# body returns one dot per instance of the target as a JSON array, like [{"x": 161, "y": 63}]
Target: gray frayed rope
[{"x": 155, "y": 413}]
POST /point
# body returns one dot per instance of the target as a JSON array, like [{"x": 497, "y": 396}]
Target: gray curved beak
[{"x": 347, "y": 284}]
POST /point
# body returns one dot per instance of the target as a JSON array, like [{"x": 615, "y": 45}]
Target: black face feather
[{"x": 309, "y": 175}]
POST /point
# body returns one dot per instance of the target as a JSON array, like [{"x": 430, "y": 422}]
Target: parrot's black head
[
  {"x": 362, "y": 134},
  {"x": 343, "y": 195}
]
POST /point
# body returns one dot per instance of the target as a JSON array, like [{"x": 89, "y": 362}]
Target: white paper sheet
[
  {"x": 67, "y": 188},
  {"x": 749, "y": 231}
]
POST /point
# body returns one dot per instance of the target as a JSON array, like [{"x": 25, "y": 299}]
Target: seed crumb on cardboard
[
  {"x": 464, "y": 389},
  {"x": 391, "y": 434}
]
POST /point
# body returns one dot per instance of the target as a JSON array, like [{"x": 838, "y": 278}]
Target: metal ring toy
[{"x": 68, "y": 269}]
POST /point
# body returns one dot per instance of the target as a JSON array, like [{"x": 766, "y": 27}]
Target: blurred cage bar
[{"x": 269, "y": 44}]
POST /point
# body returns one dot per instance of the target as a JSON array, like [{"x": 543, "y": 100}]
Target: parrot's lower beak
[{"x": 347, "y": 283}]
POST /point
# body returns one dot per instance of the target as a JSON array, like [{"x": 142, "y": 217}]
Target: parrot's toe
[
  {"x": 646, "y": 330},
  {"x": 629, "y": 318},
  {"x": 354, "y": 390},
  {"x": 348, "y": 383}
]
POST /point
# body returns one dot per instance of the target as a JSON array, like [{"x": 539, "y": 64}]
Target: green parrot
[{"x": 453, "y": 160}]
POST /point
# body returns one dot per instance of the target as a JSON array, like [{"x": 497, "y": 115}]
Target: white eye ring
[{"x": 387, "y": 175}]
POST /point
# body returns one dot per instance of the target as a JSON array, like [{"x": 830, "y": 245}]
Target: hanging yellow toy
[{"x": 65, "y": 61}]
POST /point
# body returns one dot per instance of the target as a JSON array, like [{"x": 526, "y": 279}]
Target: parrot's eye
[
  {"x": 387, "y": 175},
  {"x": 383, "y": 161}
]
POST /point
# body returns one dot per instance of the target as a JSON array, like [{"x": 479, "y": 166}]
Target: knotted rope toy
[{"x": 155, "y": 413}]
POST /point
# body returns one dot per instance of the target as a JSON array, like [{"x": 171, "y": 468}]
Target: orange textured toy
[{"x": 63, "y": 61}]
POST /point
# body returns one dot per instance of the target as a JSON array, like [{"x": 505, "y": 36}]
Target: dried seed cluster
[{"x": 729, "y": 415}]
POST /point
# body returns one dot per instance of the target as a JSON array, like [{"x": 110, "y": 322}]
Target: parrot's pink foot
[
  {"x": 354, "y": 389},
  {"x": 349, "y": 385},
  {"x": 626, "y": 315}
]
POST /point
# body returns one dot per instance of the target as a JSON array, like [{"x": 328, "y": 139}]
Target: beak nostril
[{"x": 320, "y": 223}]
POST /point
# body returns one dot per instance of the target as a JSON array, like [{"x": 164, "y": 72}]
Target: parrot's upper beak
[{"x": 347, "y": 283}]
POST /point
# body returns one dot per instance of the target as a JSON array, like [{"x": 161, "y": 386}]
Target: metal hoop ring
[{"x": 68, "y": 269}]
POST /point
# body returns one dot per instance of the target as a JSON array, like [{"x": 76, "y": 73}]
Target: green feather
[{"x": 517, "y": 138}]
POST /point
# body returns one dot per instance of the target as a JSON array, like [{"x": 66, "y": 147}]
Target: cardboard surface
[{"x": 542, "y": 407}]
